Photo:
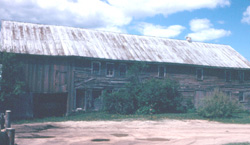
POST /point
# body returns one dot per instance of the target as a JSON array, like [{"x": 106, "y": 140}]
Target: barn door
[{"x": 61, "y": 81}]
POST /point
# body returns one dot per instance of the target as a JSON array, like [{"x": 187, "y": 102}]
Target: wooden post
[
  {"x": 11, "y": 135},
  {"x": 2, "y": 121},
  {"x": 7, "y": 119}
]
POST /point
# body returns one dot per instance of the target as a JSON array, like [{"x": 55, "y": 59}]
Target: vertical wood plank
[
  {"x": 46, "y": 77},
  {"x": 34, "y": 80}
]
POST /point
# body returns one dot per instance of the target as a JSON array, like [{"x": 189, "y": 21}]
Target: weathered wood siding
[
  {"x": 46, "y": 74},
  {"x": 66, "y": 74},
  {"x": 185, "y": 75},
  {"x": 85, "y": 79},
  {"x": 190, "y": 87}
]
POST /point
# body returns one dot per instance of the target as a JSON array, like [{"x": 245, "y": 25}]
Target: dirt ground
[{"x": 173, "y": 132}]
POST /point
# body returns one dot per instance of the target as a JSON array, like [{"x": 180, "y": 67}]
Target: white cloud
[
  {"x": 246, "y": 16},
  {"x": 209, "y": 34},
  {"x": 81, "y": 13},
  {"x": 110, "y": 14},
  {"x": 145, "y": 8},
  {"x": 203, "y": 31},
  {"x": 160, "y": 31},
  {"x": 199, "y": 24}
]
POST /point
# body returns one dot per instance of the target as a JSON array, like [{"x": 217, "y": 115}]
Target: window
[
  {"x": 199, "y": 74},
  {"x": 123, "y": 70},
  {"x": 241, "y": 97},
  {"x": 110, "y": 70},
  {"x": 241, "y": 76},
  {"x": 247, "y": 75},
  {"x": 228, "y": 76},
  {"x": 96, "y": 68},
  {"x": 161, "y": 71}
]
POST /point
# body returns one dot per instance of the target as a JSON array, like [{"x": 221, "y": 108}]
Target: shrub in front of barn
[
  {"x": 150, "y": 97},
  {"x": 159, "y": 96},
  {"x": 119, "y": 102},
  {"x": 218, "y": 105}
]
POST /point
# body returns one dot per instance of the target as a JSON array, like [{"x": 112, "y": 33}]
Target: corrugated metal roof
[{"x": 50, "y": 40}]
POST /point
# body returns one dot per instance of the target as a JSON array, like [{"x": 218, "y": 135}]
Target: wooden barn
[{"x": 68, "y": 68}]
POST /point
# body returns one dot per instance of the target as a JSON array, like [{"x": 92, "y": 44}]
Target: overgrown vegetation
[
  {"x": 140, "y": 96},
  {"x": 218, "y": 105},
  {"x": 12, "y": 83}
]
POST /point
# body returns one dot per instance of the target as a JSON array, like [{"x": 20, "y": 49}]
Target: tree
[{"x": 12, "y": 83}]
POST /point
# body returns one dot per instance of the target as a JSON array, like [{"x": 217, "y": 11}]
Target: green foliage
[
  {"x": 159, "y": 96},
  {"x": 119, "y": 102},
  {"x": 189, "y": 106},
  {"x": 144, "y": 96},
  {"x": 12, "y": 77},
  {"x": 218, "y": 105}
]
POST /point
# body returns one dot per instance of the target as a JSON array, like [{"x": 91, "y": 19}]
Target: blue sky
[{"x": 211, "y": 21}]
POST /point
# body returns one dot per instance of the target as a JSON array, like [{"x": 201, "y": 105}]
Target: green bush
[
  {"x": 159, "y": 96},
  {"x": 218, "y": 105},
  {"x": 119, "y": 102},
  {"x": 149, "y": 97}
]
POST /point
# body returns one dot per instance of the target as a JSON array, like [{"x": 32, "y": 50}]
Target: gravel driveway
[{"x": 131, "y": 132}]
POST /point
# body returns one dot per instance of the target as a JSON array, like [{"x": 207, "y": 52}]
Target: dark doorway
[
  {"x": 97, "y": 100},
  {"x": 89, "y": 99},
  {"x": 48, "y": 105},
  {"x": 80, "y": 98}
]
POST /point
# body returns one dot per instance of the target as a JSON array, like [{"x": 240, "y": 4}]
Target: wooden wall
[
  {"x": 46, "y": 74},
  {"x": 67, "y": 74}
]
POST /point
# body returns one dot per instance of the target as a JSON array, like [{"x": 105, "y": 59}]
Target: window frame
[
  {"x": 164, "y": 71},
  {"x": 108, "y": 75},
  {"x": 241, "y": 76},
  {"x": 226, "y": 75},
  {"x": 92, "y": 68},
  {"x": 202, "y": 74},
  {"x": 125, "y": 66}
]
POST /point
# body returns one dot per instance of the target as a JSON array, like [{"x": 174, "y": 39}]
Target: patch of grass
[
  {"x": 242, "y": 143},
  {"x": 238, "y": 118},
  {"x": 241, "y": 118}
]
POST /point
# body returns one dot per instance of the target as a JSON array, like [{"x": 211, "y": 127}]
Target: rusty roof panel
[{"x": 37, "y": 39}]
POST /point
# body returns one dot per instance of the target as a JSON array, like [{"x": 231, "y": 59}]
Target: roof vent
[{"x": 189, "y": 39}]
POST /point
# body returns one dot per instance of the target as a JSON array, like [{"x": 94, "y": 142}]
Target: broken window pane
[{"x": 110, "y": 69}]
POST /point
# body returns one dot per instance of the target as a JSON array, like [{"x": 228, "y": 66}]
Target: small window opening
[
  {"x": 241, "y": 76},
  {"x": 123, "y": 70},
  {"x": 110, "y": 70},
  {"x": 228, "y": 76},
  {"x": 241, "y": 97},
  {"x": 199, "y": 74},
  {"x": 96, "y": 68},
  {"x": 161, "y": 71}
]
